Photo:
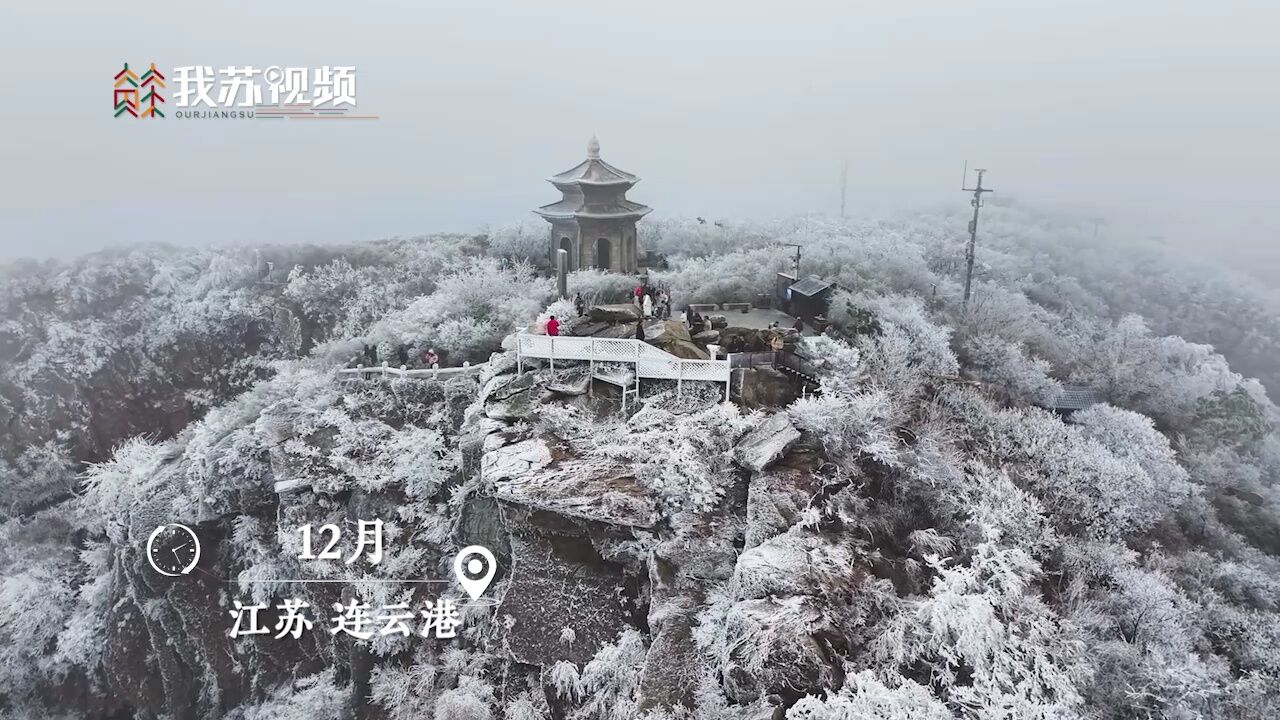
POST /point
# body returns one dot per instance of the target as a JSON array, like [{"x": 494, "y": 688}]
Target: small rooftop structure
[
  {"x": 594, "y": 221},
  {"x": 805, "y": 298},
  {"x": 812, "y": 286}
]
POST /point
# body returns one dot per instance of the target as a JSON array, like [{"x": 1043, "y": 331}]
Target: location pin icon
[{"x": 474, "y": 567}]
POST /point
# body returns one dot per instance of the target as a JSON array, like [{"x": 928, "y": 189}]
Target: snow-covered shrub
[
  {"x": 566, "y": 680},
  {"x": 41, "y": 473},
  {"x": 598, "y": 287},
  {"x": 985, "y": 619},
  {"x": 864, "y": 697},
  {"x": 610, "y": 682},
  {"x": 475, "y": 304},
  {"x": 738, "y": 277},
  {"x": 1163, "y": 377},
  {"x": 1007, "y": 370},
  {"x": 315, "y": 697},
  {"x": 524, "y": 240},
  {"x": 685, "y": 459},
  {"x": 851, "y": 427}
]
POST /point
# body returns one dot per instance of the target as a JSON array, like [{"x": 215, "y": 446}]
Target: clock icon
[{"x": 173, "y": 550}]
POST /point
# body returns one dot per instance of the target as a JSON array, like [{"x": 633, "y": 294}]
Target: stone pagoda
[{"x": 594, "y": 221}]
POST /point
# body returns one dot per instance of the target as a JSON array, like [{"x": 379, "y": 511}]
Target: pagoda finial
[{"x": 593, "y": 148}]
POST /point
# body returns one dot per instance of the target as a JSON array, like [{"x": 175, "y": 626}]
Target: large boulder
[
  {"x": 741, "y": 339},
  {"x": 583, "y": 490},
  {"x": 585, "y": 329},
  {"x": 685, "y": 350},
  {"x": 502, "y": 387},
  {"x": 673, "y": 337},
  {"x": 765, "y": 387},
  {"x": 511, "y": 461},
  {"x": 767, "y": 442},
  {"x": 626, "y": 313},
  {"x": 707, "y": 337},
  {"x": 666, "y": 331},
  {"x": 625, "y": 332},
  {"x": 572, "y": 386},
  {"x": 798, "y": 562},
  {"x": 517, "y": 407}
]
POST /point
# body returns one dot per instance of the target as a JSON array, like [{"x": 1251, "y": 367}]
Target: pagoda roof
[
  {"x": 577, "y": 208},
  {"x": 594, "y": 171}
]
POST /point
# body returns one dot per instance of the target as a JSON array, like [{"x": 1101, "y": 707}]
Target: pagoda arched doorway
[
  {"x": 567, "y": 245},
  {"x": 602, "y": 254}
]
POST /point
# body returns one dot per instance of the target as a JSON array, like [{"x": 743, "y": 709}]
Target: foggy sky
[{"x": 1160, "y": 115}]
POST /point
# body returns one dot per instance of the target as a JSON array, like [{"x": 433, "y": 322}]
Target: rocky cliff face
[{"x": 596, "y": 550}]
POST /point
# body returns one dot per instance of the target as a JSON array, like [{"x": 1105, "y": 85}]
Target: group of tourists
[
  {"x": 798, "y": 325},
  {"x": 653, "y": 300},
  {"x": 698, "y": 322},
  {"x": 653, "y": 303},
  {"x": 428, "y": 357}
]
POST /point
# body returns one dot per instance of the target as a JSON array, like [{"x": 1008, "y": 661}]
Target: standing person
[
  {"x": 402, "y": 355},
  {"x": 666, "y": 304},
  {"x": 579, "y": 304},
  {"x": 553, "y": 326},
  {"x": 648, "y": 306},
  {"x": 639, "y": 294},
  {"x": 640, "y": 330},
  {"x": 429, "y": 358}
]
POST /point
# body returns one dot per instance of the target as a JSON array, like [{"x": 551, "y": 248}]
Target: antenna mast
[{"x": 973, "y": 231}]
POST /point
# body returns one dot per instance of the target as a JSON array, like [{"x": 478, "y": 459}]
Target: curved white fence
[{"x": 650, "y": 362}]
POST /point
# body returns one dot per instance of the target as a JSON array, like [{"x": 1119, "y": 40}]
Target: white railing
[
  {"x": 650, "y": 362},
  {"x": 427, "y": 373}
]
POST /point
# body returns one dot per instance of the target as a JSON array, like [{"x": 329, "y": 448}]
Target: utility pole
[
  {"x": 973, "y": 231},
  {"x": 795, "y": 262},
  {"x": 844, "y": 185}
]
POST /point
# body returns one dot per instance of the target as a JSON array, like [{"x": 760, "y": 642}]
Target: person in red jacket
[{"x": 553, "y": 326}]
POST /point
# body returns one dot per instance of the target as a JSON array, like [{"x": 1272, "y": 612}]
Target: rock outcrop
[
  {"x": 585, "y": 491},
  {"x": 509, "y": 461},
  {"x": 591, "y": 554},
  {"x": 775, "y": 500},
  {"x": 564, "y": 602},
  {"x": 767, "y": 443}
]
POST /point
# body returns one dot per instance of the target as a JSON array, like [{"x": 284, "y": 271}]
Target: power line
[{"x": 973, "y": 230}]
